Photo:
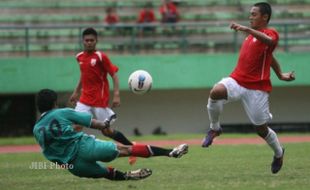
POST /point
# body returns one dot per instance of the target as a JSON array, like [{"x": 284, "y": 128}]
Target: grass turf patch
[
  {"x": 29, "y": 140},
  {"x": 240, "y": 167}
]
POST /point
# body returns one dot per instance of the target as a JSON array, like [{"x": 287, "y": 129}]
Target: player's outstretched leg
[
  {"x": 179, "y": 151},
  {"x": 208, "y": 140},
  {"x": 146, "y": 151},
  {"x": 277, "y": 163}
]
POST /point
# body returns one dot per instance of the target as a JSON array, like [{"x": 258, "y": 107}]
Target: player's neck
[
  {"x": 89, "y": 51},
  {"x": 262, "y": 27}
]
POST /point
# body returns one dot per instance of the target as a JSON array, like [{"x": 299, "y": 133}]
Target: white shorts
[
  {"x": 97, "y": 112},
  {"x": 255, "y": 102}
]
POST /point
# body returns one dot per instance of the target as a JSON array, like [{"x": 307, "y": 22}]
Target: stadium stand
[
  {"x": 37, "y": 27},
  {"x": 85, "y": 12}
]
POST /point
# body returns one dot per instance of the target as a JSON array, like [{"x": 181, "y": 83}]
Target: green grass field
[
  {"x": 242, "y": 167},
  {"x": 29, "y": 140}
]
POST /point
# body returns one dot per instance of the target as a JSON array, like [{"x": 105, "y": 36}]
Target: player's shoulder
[
  {"x": 65, "y": 110},
  {"x": 272, "y": 32},
  {"x": 79, "y": 54},
  {"x": 65, "y": 113},
  {"x": 271, "y": 29},
  {"x": 101, "y": 55}
]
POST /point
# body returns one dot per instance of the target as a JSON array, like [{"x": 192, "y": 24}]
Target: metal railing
[{"x": 54, "y": 40}]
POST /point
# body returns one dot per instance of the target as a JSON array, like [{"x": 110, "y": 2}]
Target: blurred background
[{"x": 186, "y": 57}]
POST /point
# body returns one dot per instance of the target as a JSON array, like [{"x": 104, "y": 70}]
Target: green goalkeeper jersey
[{"x": 56, "y": 136}]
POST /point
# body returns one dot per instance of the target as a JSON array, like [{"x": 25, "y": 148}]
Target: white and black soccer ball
[{"x": 140, "y": 82}]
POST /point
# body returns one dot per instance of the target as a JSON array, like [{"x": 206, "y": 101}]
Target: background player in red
[
  {"x": 250, "y": 81},
  {"x": 92, "y": 92},
  {"x": 169, "y": 12},
  {"x": 146, "y": 16},
  {"x": 111, "y": 16}
]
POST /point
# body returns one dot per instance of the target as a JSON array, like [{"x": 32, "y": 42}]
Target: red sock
[{"x": 141, "y": 150}]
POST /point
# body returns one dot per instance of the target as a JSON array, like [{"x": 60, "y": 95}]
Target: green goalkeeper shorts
[{"x": 92, "y": 152}]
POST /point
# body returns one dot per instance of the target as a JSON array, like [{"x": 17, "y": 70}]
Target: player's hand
[
  {"x": 238, "y": 27},
  {"x": 116, "y": 102},
  {"x": 290, "y": 76},
  {"x": 74, "y": 98}
]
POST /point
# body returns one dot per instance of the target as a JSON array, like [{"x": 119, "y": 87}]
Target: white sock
[
  {"x": 215, "y": 108},
  {"x": 273, "y": 141}
]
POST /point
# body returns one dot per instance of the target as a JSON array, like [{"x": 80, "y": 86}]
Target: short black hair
[
  {"x": 46, "y": 100},
  {"x": 90, "y": 31},
  {"x": 264, "y": 8}
]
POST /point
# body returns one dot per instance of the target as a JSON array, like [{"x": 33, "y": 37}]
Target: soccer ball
[{"x": 140, "y": 82}]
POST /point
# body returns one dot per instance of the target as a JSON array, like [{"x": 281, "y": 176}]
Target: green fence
[{"x": 126, "y": 38}]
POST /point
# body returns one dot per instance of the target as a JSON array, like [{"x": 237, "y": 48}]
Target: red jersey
[
  {"x": 146, "y": 16},
  {"x": 253, "y": 68},
  {"x": 170, "y": 7},
  {"x": 94, "y": 68},
  {"x": 111, "y": 19}
]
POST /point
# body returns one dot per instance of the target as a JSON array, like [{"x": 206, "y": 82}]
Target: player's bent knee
[
  {"x": 218, "y": 92},
  {"x": 262, "y": 130}
]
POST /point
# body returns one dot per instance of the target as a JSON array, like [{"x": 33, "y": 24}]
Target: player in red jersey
[
  {"x": 111, "y": 17},
  {"x": 146, "y": 16},
  {"x": 169, "y": 12},
  {"x": 250, "y": 81},
  {"x": 93, "y": 86}
]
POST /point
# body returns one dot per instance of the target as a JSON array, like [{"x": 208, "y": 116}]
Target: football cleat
[
  {"x": 277, "y": 163},
  {"x": 138, "y": 174},
  {"x": 179, "y": 151},
  {"x": 207, "y": 141}
]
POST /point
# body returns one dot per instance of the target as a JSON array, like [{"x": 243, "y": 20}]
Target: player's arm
[
  {"x": 76, "y": 93},
  {"x": 84, "y": 119},
  {"x": 116, "y": 102},
  {"x": 257, "y": 34},
  {"x": 95, "y": 124},
  {"x": 277, "y": 69},
  {"x": 73, "y": 99}
]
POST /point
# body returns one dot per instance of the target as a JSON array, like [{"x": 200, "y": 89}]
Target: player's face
[
  {"x": 257, "y": 20},
  {"x": 89, "y": 42}
]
